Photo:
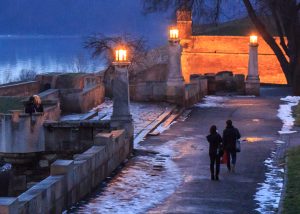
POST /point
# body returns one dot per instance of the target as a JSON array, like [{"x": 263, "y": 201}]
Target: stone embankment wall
[
  {"x": 72, "y": 136},
  {"x": 77, "y": 100},
  {"x": 24, "y": 133},
  {"x": 211, "y": 54},
  {"x": 22, "y": 89},
  {"x": 71, "y": 180},
  {"x": 195, "y": 90},
  {"x": 151, "y": 84}
]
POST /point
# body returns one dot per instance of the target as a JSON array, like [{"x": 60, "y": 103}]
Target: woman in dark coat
[{"x": 215, "y": 144}]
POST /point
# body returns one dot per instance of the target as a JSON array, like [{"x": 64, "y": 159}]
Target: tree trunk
[
  {"x": 270, "y": 41},
  {"x": 296, "y": 78}
]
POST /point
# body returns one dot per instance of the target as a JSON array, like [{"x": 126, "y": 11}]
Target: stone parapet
[
  {"x": 9, "y": 206},
  {"x": 72, "y": 180},
  {"x": 21, "y": 89},
  {"x": 78, "y": 101},
  {"x": 72, "y": 136},
  {"x": 24, "y": 133}
]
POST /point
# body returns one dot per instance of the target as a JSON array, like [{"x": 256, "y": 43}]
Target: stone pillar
[
  {"x": 121, "y": 101},
  {"x": 175, "y": 82},
  {"x": 252, "y": 84},
  {"x": 121, "y": 117}
]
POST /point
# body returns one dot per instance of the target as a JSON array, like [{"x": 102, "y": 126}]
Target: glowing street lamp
[
  {"x": 173, "y": 34},
  {"x": 253, "y": 40},
  {"x": 252, "y": 84},
  {"x": 121, "y": 57},
  {"x": 121, "y": 111}
]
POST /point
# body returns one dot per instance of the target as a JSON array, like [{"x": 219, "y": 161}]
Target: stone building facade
[{"x": 211, "y": 54}]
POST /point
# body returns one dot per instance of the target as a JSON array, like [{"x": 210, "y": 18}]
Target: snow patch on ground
[
  {"x": 134, "y": 188},
  {"x": 185, "y": 115},
  {"x": 269, "y": 192},
  {"x": 142, "y": 113},
  {"x": 161, "y": 128},
  {"x": 285, "y": 114},
  {"x": 245, "y": 96},
  {"x": 5, "y": 167},
  {"x": 212, "y": 101}
]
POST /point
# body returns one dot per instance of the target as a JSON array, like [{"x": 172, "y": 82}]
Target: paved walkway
[
  {"x": 170, "y": 172},
  {"x": 234, "y": 193}
]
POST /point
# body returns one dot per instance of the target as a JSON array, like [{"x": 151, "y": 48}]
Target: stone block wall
[
  {"x": 72, "y": 136},
  {"x": 68, "y": 80},
  {"x": 211, "y": 54},
  {"x": 22, "y": 89},
  {"x": 71, "y": 180},
  {"x": 92, "y": 97},
  {"x": 148, "y": 91},
  {"x": 22, "y": 133},
  {"x": 78, "y": 101},
  {"x": 195, "y": 90}
]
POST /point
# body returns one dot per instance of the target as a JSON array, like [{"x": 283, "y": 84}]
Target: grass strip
[
  {"x": 10, "y": 103},
  {"x": 291, "y": 202},
  {"x": 296, "y": 114}
]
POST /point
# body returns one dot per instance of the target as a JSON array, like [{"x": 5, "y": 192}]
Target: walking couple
[{"x": 218, "y": 144}]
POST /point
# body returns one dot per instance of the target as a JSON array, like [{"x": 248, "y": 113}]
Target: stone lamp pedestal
[
  {"x": 252, "y": 84},
  {"x": 121, "y": 117},
  {"x": 121, "y": 98},
  {"x": 175, "y": 81}
]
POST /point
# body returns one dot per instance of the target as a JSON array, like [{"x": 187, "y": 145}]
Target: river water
[{"x": 44, "y": 54}]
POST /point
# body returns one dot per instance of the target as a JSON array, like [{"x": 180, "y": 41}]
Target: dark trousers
[
  {"x": 231, "y": 156},
  {"x": 214, "y": 159}
]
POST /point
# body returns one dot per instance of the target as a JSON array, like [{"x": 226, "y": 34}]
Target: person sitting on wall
[
  {"x": 29, "y": 106},
  {"x": 38, "y": 106},
  {"x": 33, "y": 105}
]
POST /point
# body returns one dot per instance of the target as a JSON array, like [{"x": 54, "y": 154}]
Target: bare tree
[
  {"x": 79, "y": 64},
  {"x": 284, "y": 14},
  {"x": 104, "y": 46},
  {"x": 27, "y": 75}
]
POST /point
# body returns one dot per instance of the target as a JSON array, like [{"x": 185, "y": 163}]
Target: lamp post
[
  {"x": 252, "y": 80},
  {"x": 121, "y": 101},
  {"x": 175, "y": 81},
  {"x": 175, "y": 73}
]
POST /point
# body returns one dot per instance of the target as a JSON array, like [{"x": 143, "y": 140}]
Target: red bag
[{"x": 224, "y": 158}]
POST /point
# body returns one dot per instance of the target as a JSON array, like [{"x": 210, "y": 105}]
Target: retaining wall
[
  {"x": 22, "y": 89},
  {"x": 71, "y": 180},
  {"x": 78, "y": 101},
  {"x": 211, "y": 54},
  {"x": 148, "y": 91},
  {"x": 22, "y": 133},
  {"x": 195, "y": 91}
]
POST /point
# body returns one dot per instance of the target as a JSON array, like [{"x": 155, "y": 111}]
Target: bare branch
[
  {"x": 279, "y": 28},
  {"x": 103, "y": 46},
  {"x": 268, "y": 38}
]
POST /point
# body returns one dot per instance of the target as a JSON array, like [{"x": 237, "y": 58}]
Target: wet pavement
[{"x": 170, "y": 172}]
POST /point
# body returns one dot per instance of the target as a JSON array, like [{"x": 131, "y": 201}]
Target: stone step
[
  {"x": 166, "y": 123},
  {"x": 153, "y": 125}
]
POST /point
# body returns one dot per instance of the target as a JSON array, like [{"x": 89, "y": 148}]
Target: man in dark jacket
[
  {"x": 230, "y": 136},
  {"x": 215, "y": 143}
]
